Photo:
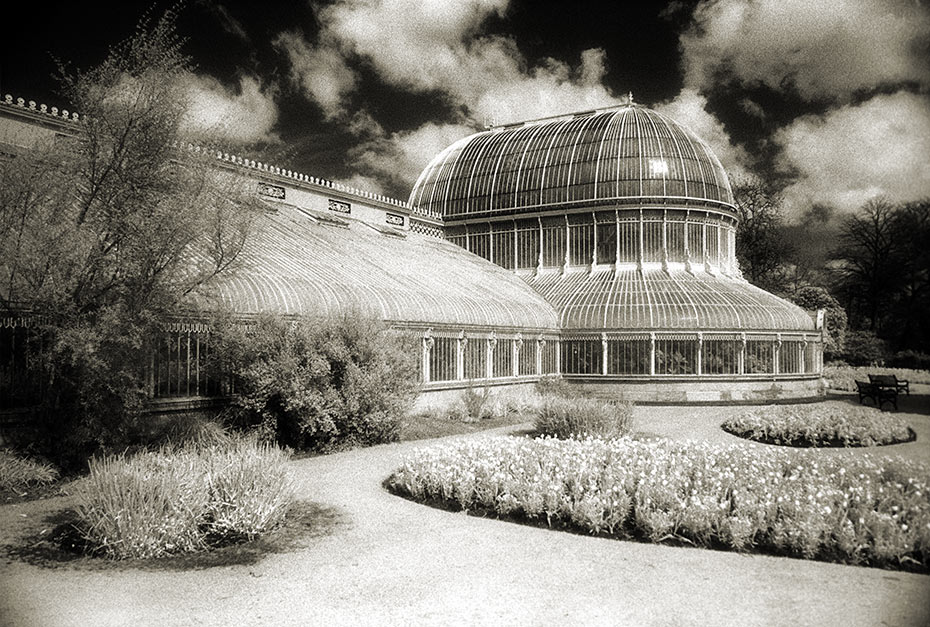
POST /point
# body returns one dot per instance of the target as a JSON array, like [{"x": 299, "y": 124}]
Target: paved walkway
[{"x": 387, "y": 561}]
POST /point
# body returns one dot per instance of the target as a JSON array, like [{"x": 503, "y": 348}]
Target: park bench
[
  {"x": 890, "y": 381},
  {"x": 878, "y": 393}
]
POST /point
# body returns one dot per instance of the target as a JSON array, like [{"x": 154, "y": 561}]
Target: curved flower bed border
[
  {"x": 855, "y": 510},
  {"x": 831, "y": 424}
]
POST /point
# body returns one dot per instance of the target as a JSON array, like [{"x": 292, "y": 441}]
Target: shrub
[
  {"x": 823, "y": 424},
  {"x": 554, "y": 385},
  {"x": 913, "y": 360},
  {"x": 177, "y": 500},
  {"x": 859, "y": 510},
  {"x": 863, "y": 348},
  {"x": 18, "y": 473},
  {"x": 319, "y": 384},
  {"x": 578, "y": 417},
  {"x": 842, "y": 377}
]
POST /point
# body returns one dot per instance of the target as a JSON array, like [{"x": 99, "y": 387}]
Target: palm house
[
  {"x": 599, "y": 246},
  {"x": 624, "y": 222}
]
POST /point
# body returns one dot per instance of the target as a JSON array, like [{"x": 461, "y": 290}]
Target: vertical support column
[
  {"x": 197, "y": 348},
  {"x": 639, "y": 252},
  {"x": 604, "y": 354},
  {"x": 700, "y": 354},
  {"x": 558, "y": 356},
  {"x": 705, "y": 256},
  {"x": 460, "y": 345},
  {"x": 617, "y": 227},
  {"x": 803, "y": 355},
  {"x": 688, "y": 241},
  {"x": 539, "y": 263},
  {"x": 665, "y": 239},
  {"x": 540, "y": 345},
  {"x": 594, "y": 239},
  {"x": 516, "y": 249},
  {"x": 652, "y": 350},
  {"x": 568, "y": 244},
  {"x": 425, "y": 356},
  {"x": 489, "y": 359},
  {"x": 776, "y": 354},
  {"x": 741, "y": 360},
  {"x": 515, "y": 354}
]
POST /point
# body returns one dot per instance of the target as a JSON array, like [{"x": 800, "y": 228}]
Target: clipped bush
[
  {"x": 564, "y": 417},
  {"x": 19, "y": 473},
  {"x": 318, "y": 384},
  {"x": 857, "y": 510},
  {"x": 177, "y": 500},
  {"x": 824, "y": 424}
]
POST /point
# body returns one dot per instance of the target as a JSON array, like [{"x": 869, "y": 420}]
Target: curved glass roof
[
  {"x": 665, "y": 300},
  {"x": 625, "y": 155},
  {"x": 296, "y": 264}
]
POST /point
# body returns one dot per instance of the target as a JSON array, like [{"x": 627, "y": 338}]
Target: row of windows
[
  {"x": 688, "y": 356},
  {"x": 452, "y": 359},
  {"x": 530, "y": 244},
  {"x": 179, "y": 361}
]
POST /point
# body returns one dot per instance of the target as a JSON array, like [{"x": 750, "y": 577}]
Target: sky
[{"x": 828, "y": 100}]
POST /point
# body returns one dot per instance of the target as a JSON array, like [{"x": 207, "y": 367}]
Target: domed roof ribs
[
  {"x": 526, "y": 148},
  {"x": 579, "y": 136},
  {"x": 681, "y": 157},
  {"x": 600, "y": 153}
]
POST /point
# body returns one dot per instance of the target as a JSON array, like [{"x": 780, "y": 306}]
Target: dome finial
[{"x": 629, "y": 97}]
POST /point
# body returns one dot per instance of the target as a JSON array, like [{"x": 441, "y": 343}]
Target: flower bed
[
  {"x": 176, "y": 501},
  {"x": 832, "y": 423},
  {"x": 791, "y": 502}
]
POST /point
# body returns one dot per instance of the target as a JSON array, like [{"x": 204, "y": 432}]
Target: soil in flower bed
[{"x": 59, "y": 543}]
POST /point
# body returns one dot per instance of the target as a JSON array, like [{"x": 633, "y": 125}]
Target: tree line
[{"x": 870, "y": 270}]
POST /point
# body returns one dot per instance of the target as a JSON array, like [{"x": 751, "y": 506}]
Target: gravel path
[{"x": 387, "y": 561}]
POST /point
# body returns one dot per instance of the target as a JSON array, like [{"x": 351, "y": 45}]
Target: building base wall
[{"x": 739, "y": 391}]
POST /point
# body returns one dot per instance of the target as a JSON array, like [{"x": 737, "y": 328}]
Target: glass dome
[{"x": 625, "y": 155}]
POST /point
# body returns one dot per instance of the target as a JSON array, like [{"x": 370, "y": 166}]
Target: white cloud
[
  {"x": 823, "y": 49},
  {"x": 246, "y": 115},
  {"x": 400, "y": 157},
  {"x": 689, "y": 110},
  {"x": 320, "y": 70},
  {"x": 854, "y": 153},
  {"x": 435, "y": 46}
]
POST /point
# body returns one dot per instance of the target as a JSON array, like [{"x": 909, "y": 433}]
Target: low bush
[
  {"x": 858, "y": 510},
  {"x": 318, "y": 384},
  {"x": 910, "y": 359},
  {"x": 555, "y": 385},
  {"x": 564, "y": 417},
  {"x": 177, "y": 500},
  {"x": 19, "y": 474},
  {"x": 843, "y": 377},
  {"x": 831, "y": 423}
]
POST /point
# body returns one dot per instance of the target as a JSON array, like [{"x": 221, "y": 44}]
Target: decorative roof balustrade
[{"x": 232, "y": 159}]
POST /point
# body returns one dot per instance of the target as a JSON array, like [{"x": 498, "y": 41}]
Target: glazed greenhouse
[{"x": 599, "y": 246}]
